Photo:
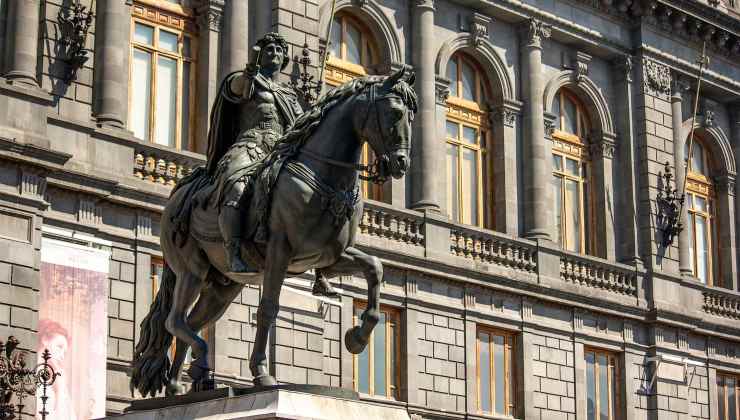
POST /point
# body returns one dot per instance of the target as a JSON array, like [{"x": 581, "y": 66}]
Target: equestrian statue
[{"x": 278, "y": 196}]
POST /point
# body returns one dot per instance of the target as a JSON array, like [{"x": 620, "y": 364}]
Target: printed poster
[{"x": 73, "y": 326}]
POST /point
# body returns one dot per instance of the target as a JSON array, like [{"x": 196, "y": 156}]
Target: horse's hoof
[
  {"x": 173, "y": 388},
  {"x": 263, "y": 381},
  {"x": 353, "y": 341},
  {"x": 323, "y": 288}
]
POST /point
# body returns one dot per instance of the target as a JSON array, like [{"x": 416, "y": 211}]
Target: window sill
[{"x": 382, "y": 400}]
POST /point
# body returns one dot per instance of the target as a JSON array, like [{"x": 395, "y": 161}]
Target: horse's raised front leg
[
  {"x": 278, "y": 256},
  {"x": 353, "y": 261},
  {"x": 187, "y": 289},
  {"x": 211, "y": 305}
]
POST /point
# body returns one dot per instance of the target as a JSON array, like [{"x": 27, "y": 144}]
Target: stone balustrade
[
  {"x": 384, "y": 221},
  {"x": 593, "y": 272},
  {"x": 163, "y": 166},
  {"x": 722, "y": 303},
  {"x": 493, "y": 248}
]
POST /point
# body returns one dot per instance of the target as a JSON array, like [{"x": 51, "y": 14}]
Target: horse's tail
[{"x": 151, "y": 364}]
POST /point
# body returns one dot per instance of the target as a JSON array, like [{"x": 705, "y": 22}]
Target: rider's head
[{"x": 274, "y": 55}]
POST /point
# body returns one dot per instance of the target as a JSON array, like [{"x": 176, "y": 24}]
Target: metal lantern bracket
[
  {"x": 74, "y": 24},
  {"x": 19, "y": 379}
]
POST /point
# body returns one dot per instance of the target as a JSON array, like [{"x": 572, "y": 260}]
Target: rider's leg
[{"x": 230, "y": 223}]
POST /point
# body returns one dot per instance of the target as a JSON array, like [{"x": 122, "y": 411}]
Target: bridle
[{"x": 375, "y": 172}]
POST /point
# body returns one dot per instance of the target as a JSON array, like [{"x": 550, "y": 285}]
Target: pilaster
[
  {"x": 628, "y": 248},
  {"x": 602, "y": 150},
  {"x": 504, "y": 120},
  {"x": 211, "y": 24},
  {"x": 726, "y": 234},
  {"x": 427, "y": 152},
  {"x": 538, "y": 212},
  {"x": 735, "y": 134}
]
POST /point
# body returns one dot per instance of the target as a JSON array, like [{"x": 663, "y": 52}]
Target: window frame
[
  {"x": 471, "y": 114},
  {"x": 573, "y": 146},
  {"x": 510, "y": 371},
  {"x": 392, "y": 324},
  {"x": 613, "y": 377},
  {"x": 700, "y": 185},
  {"x": 723, "y": 401},
  {"x": 160, "y": 15}
]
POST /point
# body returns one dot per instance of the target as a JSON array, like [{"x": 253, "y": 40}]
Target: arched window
[
  {"x": 700, "y": 206},
  {"x": 162, "y": 73},
  {"x": 570, "y": 173},
  {"x": 352, "y": 53},
  {"x": 467, "y": 144}
]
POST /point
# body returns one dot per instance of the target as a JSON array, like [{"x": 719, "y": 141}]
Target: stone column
[
  {"x": 426, "y": 149},
  {"x": 211, "y": 22},
  {"x": 602, "y": 153},
  {"x": 236, "y": 40},
  {"x": 22, "y": 41},
  {"x": 505, "y": 165},
  {"x": 726, "y": 234},
  {"x": 111, "y": 62},
  {"x": 538, "y": 216},
  {"x": 679, "y": 140}
]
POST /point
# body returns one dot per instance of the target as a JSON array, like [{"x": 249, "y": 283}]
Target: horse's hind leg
[
  {"x": 186, "y": 290},
  {"x": 211, "y": 305},
  {"x": 278, "y": 257},
  {"x": 353, "y": 261}
]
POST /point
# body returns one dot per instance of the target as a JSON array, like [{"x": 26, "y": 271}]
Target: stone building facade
[{"x": 494, "y": 259}]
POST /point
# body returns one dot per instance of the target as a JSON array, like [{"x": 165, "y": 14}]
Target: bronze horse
[{"x": 313, "y": 213}]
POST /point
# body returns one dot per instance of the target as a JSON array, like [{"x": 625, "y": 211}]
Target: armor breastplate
[{"x": 260, "y": 113}]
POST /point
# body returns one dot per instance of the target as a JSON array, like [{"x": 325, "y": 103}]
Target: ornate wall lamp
[
  {"x": 19, "y": 380},
  {"x": 670, "y": 203},
  {"x": 305, "y": 84},
  {"x": 74, "y": 23}
]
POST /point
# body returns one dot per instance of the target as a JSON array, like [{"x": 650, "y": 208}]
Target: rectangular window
[
  {"x": 569, "y": 185},
  {"x": 162, "y": 76},
  {"x": 728, "y": 392},
  {"x": 496, "y": 367},
  {"x": 602, "y": 385},
  {"x": 376, "y": 370},
  {"x": 465, "y": 162}
]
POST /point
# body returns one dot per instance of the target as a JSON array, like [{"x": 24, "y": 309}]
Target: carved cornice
[
  {"x": 656, "y": 78},
  {"x": 478, "y": 28},
  {"x": 533, "y": 31}
]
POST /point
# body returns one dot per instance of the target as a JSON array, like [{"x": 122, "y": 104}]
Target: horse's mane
[{"x": 309, "y": 121}]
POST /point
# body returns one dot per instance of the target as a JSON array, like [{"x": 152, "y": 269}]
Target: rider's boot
[{"x": 230, "y": 223}]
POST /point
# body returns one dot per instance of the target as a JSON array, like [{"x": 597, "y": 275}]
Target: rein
[{"x": 374, "y": 168}]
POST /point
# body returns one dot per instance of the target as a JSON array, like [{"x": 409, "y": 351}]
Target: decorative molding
[
  {"x": 89, "y": 213},
  {"x": 33, "y": 184},
  {"x": 442, "y": 90},
  {"x": 579, "y": 64},
  {"x": 549, "y": 123},
  {"x": 360, "y": 3},
  {"x": 478, "y": 28},
  {"x": 626, "y": 63},
  {"x": 656, "y": 78},
  {"x": 143, "y": 225},
  {"x": 412, "y": 287},
  {"x": 628, "y": 332},
  {"x": 679, "y": 85},
  {"x": 470, "y": 293},
  {"x": 527, "y": 309},
  {"x": 533, "y": 31},
  {"x": 602, "y": 147},
  {"x": 213, "y": 18},
  {"x": 725, "y": 184},
  {"x": 578, "y": 316},
  {"x": 708, "y": 111},
  {"x": 505, "y": 114}
]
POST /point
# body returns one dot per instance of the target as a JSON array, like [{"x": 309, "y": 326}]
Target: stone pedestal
[{"x": 278, "y": 404}]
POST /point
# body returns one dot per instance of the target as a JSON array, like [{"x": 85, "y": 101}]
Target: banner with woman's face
[{"x": 73, "y": 326}]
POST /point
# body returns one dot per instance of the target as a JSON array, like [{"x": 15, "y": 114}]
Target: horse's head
[{"x": 391, "y": 106}]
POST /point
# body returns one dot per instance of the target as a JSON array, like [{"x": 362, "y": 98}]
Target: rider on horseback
[{"x": 252, "y": 112}]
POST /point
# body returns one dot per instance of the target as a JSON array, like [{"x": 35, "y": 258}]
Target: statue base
[{"x": 295, "y": 402}]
